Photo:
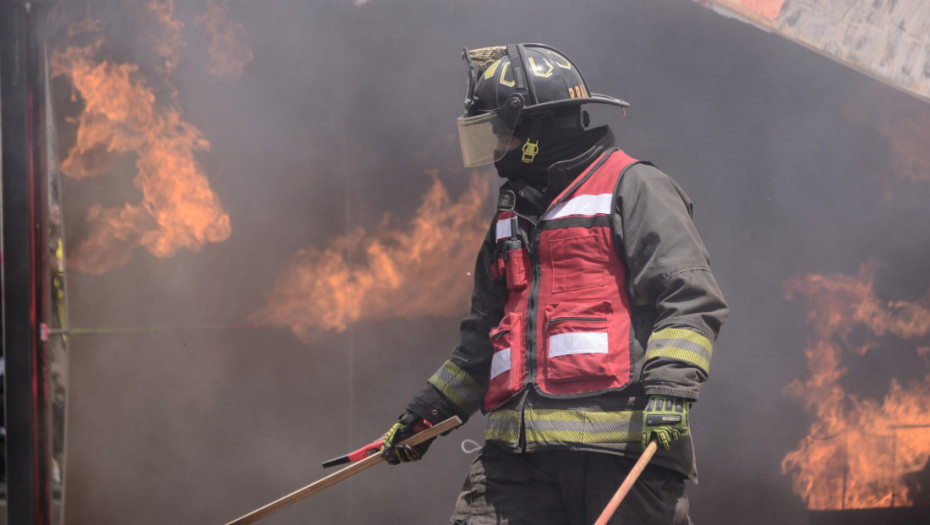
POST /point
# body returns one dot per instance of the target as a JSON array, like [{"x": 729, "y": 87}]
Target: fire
[
  {"x": 228, "y": 57},
  {"x": 420, "y": 269},
  {"x": 859, "y": 453},
  {"x": 168, "y": 42},
  {"x": 908, "y": 135},
  {"x": 122, "y": 115}
]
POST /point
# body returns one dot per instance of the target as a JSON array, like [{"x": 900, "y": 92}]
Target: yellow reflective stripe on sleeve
[
  {"x": 458, "y": 387},
  {"x": 681, "y": 344},
  {"x": 552, "y": 427}
]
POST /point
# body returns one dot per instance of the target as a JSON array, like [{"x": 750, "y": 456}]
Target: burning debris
[
  {"x": 370, "y": 277},
  {"x": 859, "y": 453}
]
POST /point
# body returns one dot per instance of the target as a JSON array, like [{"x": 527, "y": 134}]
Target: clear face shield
[{"x": 485, "y": 139}]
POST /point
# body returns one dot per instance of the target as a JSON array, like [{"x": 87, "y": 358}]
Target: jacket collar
[{"x": 562, "y": 173}]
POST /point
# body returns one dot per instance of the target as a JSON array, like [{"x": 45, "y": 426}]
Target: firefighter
[{"x": 593, "y": 315}]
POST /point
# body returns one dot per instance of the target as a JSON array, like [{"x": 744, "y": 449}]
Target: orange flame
[
  {"x": 422, "y": 269},
  {"x": 168, "y": 41},
  {"x": 908, "y": 136},
  {"x": 121, "y": 115},
  {"x": 859, "y": 453},
  {"x": 228, "y": 57}
]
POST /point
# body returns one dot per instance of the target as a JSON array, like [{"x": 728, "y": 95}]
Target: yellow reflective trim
[
  {"x": 683, "y": 333},
  {"x": 568, "y": 436},
  {"x": 551, "y": 414},
  {"x": 465, "y": 392},
  {"x": 680, "y": 354},
  {"x": 489, "y": 72},
  {"x": 559, "y": 60},
  {"x": 494, "y": 434},
  {"x": 681, "y": 344},
  {"x": 577, "y": 426},
  {"x": 503, "y": 79},
  {"x": 537, "y": 69}
]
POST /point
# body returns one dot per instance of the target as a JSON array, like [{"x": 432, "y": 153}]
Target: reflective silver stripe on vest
[
  {"x": 500, "y": 362},
  {"x": 458, "y": 387},
  {"x": 681, "y": 344},
  {"x": 556, "y": 427},
  {"x": 502, "y": 230},
  {"x": 578, "y": 343},
  {"x": 582, "y": 205}
]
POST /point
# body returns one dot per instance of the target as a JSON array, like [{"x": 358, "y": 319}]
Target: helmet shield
[{"x": 484, "y": 139}]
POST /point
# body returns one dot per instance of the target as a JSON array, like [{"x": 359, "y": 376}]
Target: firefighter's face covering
[{"x": 540, "y": 142}]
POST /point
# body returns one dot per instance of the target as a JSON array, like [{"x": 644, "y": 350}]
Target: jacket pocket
[
  {"x": 577, "y": 344},
  {"x": 507, "y": 361}
]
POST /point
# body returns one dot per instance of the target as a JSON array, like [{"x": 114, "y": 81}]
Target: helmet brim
[{"x": 592, "y": 98}]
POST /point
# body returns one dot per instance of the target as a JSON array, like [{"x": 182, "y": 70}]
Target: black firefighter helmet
[{"x": 508, "y": 83}]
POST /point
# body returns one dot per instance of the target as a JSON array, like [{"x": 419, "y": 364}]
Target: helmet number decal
[{"x": 578, "y": 91}]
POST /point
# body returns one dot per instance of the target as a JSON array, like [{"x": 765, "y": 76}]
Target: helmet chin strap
[{"x": 530, "y": 146}]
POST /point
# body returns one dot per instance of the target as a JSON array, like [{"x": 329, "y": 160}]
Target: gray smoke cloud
[{"x": 336, "y": 121}]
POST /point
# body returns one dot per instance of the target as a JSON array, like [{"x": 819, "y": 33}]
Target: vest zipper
[{"x": 532, "y": 306}]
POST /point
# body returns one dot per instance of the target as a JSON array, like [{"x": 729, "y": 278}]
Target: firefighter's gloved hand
[
  {"x": 407, "y": 425},
  {"x": 666, "y": 419}
]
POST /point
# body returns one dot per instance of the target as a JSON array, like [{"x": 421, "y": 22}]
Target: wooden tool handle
[
  {"x": 342, "y": 474},
  {"x": 627, "y": 484}
]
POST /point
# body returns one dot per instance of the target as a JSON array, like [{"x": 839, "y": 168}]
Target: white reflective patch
[
  {"x": 500, "y": 362},
  {"x": 578, "y": 343},
  {"x": 503, "y": 229},
  {"x": 582, "y": 205}
]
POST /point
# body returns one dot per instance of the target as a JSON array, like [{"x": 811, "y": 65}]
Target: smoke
[{"x": 327, "y": 119}]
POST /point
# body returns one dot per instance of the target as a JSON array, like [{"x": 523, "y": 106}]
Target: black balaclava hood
[{"x": 553, "y": 143}]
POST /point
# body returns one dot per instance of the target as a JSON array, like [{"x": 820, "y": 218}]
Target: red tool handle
[{"x": 372, "y": 448}]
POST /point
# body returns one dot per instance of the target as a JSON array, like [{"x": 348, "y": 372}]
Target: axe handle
[
  {"x": 342, "y": 474},
  {"x": 627, "y": 483}
]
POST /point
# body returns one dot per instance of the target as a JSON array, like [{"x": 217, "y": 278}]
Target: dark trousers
[{"x": 561, "y": 487}]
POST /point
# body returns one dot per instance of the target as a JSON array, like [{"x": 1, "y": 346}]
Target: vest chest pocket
[
  {"x": 507, "y": 362},
  {"x": 578, "y": 262}
]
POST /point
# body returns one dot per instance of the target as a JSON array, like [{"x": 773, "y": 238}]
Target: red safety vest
[{"x": 566, "y": 324}]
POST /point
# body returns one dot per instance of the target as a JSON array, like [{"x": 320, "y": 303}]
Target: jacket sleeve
[
  {"x": 669, "y": 269},
  {"x": 458, "y": 387}
]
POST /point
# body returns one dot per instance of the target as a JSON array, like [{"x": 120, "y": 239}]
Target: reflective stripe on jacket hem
[{"x": 544, "y": 427}]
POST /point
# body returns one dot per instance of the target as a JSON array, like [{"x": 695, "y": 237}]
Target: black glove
[{"x": 407, "y": 425}]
